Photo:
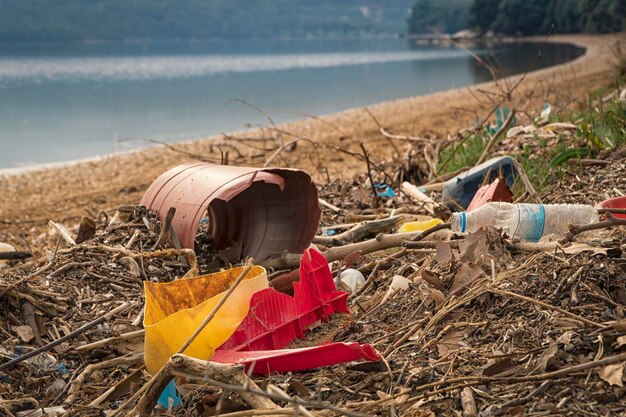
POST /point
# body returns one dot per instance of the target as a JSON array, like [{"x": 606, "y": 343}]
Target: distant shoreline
[{"x": 18, "y": 170}]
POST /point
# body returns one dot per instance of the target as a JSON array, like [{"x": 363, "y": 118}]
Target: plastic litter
[
  {"x": 43, "y": 362},
  {"x": 417, "y": 194},
  {"x": 170, "y": 398},
  {"x": 384, "y": 190},
  {"x": 276, "y": 319},
  {"x": 252, "y": 212},
  {"x": 545, "y": 113},
  {"x": 614, "y": 203},
  {"x": 174, "y": 310},
  {"x": 398, "y": 283},
  {"x": 530, "y": 222},
  {"x": 459, "y": 191},
  {"x": 501, "y": 115},
  {"x": 352, "y": 279},
  {"x": 293, "y": 360},
  {"x": 419, "y": 226},
  {"x": 496, "y": 191}
]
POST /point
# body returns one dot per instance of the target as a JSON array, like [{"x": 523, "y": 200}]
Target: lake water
[{"x": 62, "y": 102}]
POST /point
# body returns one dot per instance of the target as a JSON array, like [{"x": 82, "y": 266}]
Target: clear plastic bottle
[{"x": 530, "y": 222}]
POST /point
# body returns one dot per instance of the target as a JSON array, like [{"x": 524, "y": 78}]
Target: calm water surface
[{"x": 64, "y": 102}]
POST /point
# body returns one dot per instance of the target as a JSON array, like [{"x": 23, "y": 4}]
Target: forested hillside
[
  {"x": 445, "y": 16},
  {"x": 85, "y": 20},
  {"x": 532, "y": 17},
  {"x": 518, "y": 17}
]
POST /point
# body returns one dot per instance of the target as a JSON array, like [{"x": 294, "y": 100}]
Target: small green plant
[
  {"x": 604, "y": 127},
  {"x": 601, "y": 125},
  {"x": 464, "y": 155}
]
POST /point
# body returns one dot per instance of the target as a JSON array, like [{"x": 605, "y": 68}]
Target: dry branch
[
  {"x": 80, "y": 330},
  {"x": 576, "y": 229},
  {"x": 359, "y": 231}
]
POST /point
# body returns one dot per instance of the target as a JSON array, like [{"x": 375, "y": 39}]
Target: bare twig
[
  {"x": 576, "y": 229},
  {"x": 495, "y": 137},
  {"x": 359, "y": 231},
  {"x": 165, "y": 227},
  {"x": 369, "y": 174},
  {"x": 68, "y": 336}
]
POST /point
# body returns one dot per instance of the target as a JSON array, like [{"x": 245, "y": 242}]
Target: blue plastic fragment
[
  {"x": 385, "y": 190},
  {"x": 331, "y": 232},
  {"x": 170, "y": 394},
  {"x": 62, "y": 369}
]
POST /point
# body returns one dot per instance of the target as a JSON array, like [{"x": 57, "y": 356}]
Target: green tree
[
  {"x": 483, "y": 13},
  {"x": 520, "y": 17},
  {"x": 443, "y": 16},
  {"x": 603, "y": 16},
  {"x": 534, "y": 17}
]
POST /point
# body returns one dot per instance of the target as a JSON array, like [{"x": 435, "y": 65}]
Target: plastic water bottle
[{"x": 530, "y": 222}]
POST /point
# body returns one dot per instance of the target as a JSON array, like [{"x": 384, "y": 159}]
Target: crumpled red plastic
[
  {"x": 293, "y": 360},
  {"x": 276, "y": 319}
]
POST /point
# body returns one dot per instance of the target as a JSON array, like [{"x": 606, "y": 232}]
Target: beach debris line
[{"x": 434, "y": 323}]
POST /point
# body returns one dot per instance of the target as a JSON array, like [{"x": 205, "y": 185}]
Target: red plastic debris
[
  {"x": 276, "y": 319},
  {"x": 496, "y": 191},
  {"x": 615, "y": 203},
  {"x": 293, "y": 360}
]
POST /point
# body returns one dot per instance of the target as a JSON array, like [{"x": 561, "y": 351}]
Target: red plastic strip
[
  {"x": 614, "y": 203},
  {"x": 276, "y": 319},
  {"x": 293, "y": 360}
]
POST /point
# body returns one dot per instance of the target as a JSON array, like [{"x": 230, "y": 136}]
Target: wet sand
[{"x": 64, "y": 193}]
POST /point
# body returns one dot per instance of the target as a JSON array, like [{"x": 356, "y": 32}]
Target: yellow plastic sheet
[{"x": 174, "y": 310}]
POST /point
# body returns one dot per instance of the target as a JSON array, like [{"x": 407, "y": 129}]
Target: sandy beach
[{"x": 64, "y": 193}]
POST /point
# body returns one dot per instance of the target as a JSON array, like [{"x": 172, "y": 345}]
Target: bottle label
[{"x": 531, "y": 221}]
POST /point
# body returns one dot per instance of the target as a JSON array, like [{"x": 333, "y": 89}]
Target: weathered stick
[
  {"x": 527, "y": 183},
  {"x": 62, "y": 232},
  {"x": 403, "y": 137},
  {"x": 104, "y": 342},
  {"x": 89, "y": 369},
  {"x": 576, "y": 229},
  {"x": 70, "y": 335},
  {"x": 165, "y": 228},
  {"x": 495, "y": 137},
  {"x": 14, "y": 255},
  {"x": 417, "y": 195},
  {"x": 359, "y": 231},
  {"x": 548, "y": 307},
  {"x": 381, "y": 242},
  {"x": 233, "y": 374},
  {"x": 611, "y": 210},
  {"x": 328, "y": 205},
  {"x": 29, "y": 318}
]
